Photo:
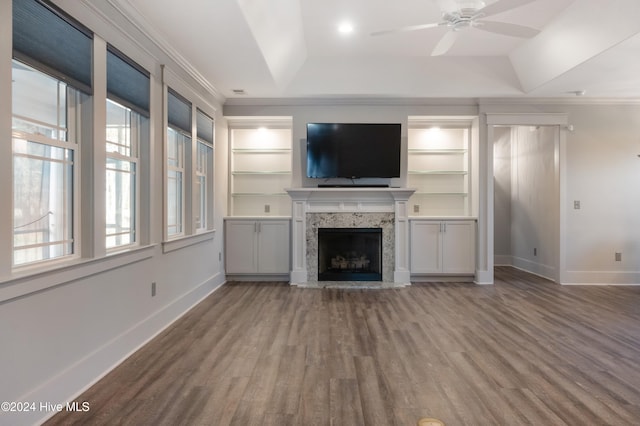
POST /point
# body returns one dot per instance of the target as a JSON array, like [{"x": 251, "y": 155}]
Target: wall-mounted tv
[{"x": 353, "y": 150}]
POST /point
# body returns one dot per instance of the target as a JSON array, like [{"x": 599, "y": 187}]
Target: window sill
[
  {"x": 187, "y": 241},
  {"x": 30, "y": 281}
]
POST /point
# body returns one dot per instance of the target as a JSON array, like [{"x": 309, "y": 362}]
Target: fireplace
[
  {"x": 317, "y": 208},
  {"x": 349, "y": 254}
]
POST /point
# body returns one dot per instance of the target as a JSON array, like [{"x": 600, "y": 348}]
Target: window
[
  {"x": 45, "y": 115},
  {"x": 204, "y": 170},
  {"x": 52, "y": 63},
  {"x": 121, "y": 181},
  {"x": 127, "y": 112},
  {"x": 178, "y": 144}
]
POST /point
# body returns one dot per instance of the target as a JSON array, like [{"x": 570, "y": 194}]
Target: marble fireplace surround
[{"x": 384, "y": 208}]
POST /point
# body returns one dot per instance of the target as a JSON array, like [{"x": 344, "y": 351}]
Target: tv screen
[{"x": 353, "y": 150}]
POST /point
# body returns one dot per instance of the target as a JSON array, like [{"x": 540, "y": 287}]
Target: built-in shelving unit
[
  {"x": 260, "y": 166},
  {"x": 438, "y": 166}
]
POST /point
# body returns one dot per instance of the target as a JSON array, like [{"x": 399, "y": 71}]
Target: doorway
[{"x": 526, "y": 198}]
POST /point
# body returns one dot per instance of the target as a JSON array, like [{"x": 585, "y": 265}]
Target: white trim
[
  {"x": 33, "y": 280},
  {"x": 173, "y": 80},
  {"x": 187, "y": 240},
  {"x": 483, "y": 277},
  {"x": 626, "y": 278},
  {"x": 6, "y": 148},
  {"x": 502, "y": 260},
  {"x": 526, "y": 119},
  {"x": 545, "y": 271},
  {"x": 137, "y": 20},
  {"x": 253, "y": 122},
  {"x": 392, "y": 101},
  {"x": 346, "y": 100}
]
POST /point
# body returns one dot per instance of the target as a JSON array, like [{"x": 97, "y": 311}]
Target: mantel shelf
[
  {"x": 437, "y": 172},
  {"x": 277, "y": 172},
  {"x": 437, "y": 151},
  {"x": 350, "y": 194}
]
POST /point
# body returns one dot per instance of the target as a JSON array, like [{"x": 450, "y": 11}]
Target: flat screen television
[{"x": 353, "y": 150}]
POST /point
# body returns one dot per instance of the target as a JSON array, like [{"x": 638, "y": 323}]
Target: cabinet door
[
  {"x": 426, "y": 252},
  {"x": 240, "y": 247},
  {"x": 273, "y": 247},
  {"x": 458, "y": 247}
]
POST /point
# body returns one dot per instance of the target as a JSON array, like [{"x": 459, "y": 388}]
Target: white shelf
[
  {"x": 438, "y": 167},
  {"x": 259, "y": 170}
]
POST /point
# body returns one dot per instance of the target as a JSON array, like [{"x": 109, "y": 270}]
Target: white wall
[
  {"x": 534, "y": 192},
  {"x": 502, "y": 195},
  {"x": 603, "y": 173},
  {"x": 62, "y": 329}
]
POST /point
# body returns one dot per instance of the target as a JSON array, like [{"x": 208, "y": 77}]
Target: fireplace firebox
[{"x": 349, "y": 254}]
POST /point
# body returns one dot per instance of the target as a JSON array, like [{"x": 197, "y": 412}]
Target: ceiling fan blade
[
  {"x": 502, "y": 6},
  {"x": 445, "y": 43},
  {"x": 504, "y": 28},
  {"x": 405, "y": 29}
]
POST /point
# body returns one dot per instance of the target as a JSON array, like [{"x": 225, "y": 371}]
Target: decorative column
[
  {"x": 298, "y": 236},
  {"x": 402, "y": 272}
]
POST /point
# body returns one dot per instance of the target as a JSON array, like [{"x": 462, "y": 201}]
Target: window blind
[
  {"x": 49, "y": 40},
  {"x": 179, "y": 112},
  {"x": 127, "y": 82},
  {"x": 204, "y": 127}
]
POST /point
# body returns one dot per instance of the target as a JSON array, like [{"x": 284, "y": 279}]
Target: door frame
[{"x": 485, "y": 260}]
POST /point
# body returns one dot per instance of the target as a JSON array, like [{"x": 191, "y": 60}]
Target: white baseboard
[
  {"x": 484, "y": 277},
  {"x": 601, "y": 278},
  {"x": 544, "y": 271},
  {"x": 80, "y": 376},
  {"x": 258, "y": 277},
  {"x": 503, "y": 260}
]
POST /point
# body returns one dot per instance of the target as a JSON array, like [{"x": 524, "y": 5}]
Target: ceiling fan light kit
[{"x": 471, "y": 14}]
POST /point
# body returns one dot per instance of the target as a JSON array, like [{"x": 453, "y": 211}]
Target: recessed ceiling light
[{"x": 345, "y": 28}]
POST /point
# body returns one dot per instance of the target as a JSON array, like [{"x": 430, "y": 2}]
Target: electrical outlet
[
  {"x": 153, "y": 289},
  {"x": 576, "y": 204},
  {"x": 416, "y": 208},
  {"x": 267, "y": 208},
  {"x": 618, "y": 257}
]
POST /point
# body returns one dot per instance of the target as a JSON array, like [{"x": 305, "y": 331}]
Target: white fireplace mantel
[{"x": 350, "y": 200}]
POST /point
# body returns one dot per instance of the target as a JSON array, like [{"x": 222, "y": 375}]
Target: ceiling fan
[{"x": 463, "y": 14}]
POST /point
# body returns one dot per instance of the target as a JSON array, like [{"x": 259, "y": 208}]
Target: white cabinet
[
  {"x": 438, "y": 166},
  {"x": 257, "y": 246},
  {"x": 260, "y": 165},
  {"x": 443, "y": 246}
]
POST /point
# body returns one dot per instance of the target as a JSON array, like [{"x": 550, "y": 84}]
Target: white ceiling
[{"x": 291, "y": 48}]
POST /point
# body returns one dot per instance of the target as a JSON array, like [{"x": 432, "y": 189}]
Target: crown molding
[
  {"x": 382, "y": 101},
  {"x": 558, "y": 101},
  {"x": 131, "y": 14},
  {"x": 408, "y": 101}
]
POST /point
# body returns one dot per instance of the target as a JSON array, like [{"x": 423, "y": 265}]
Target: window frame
[
  {"x": 74, "y": 98},
  {"x": 136, "y": 137},
  {"x": 185, "y": 141}
]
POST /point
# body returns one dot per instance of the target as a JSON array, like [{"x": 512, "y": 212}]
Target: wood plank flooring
[{"x": 523, "y": 351}]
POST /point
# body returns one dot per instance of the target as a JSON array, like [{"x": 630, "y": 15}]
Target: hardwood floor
[{"x": 523, "y": 351}]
